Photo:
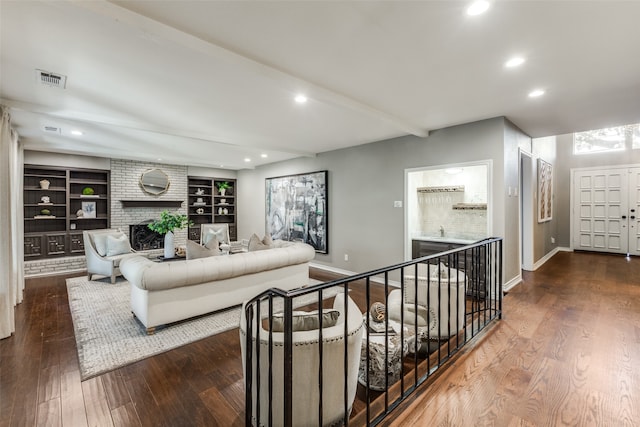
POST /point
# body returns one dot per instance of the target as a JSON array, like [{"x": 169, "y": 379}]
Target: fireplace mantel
[{"x": 151, "y": 203}]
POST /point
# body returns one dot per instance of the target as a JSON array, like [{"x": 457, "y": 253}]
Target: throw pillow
[
  {"x": 306, "y": 320},
  {"x": 117, "y": 245},
  {"x": 100, "y": 241},
  {"x": 220, "y": 235},
  {"x": 212, "y": 244},
  {"x": 195, "y": 251},
  {"x": 255, "y": 244}
]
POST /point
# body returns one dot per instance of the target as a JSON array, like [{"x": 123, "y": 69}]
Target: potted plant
[
  {"x": 222, "y": 187},
  {"x": 165, "y": 226}
]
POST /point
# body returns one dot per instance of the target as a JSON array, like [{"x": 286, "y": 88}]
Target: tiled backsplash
[{"x": 435, "y": 210}]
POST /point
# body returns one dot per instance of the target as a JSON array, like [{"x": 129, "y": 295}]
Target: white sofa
[{"x": 166, "y": 292}]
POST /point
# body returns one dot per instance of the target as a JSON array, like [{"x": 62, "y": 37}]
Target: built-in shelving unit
[
  {"x": 208, "y": 204},
  {"x": 53, "y": 200}
]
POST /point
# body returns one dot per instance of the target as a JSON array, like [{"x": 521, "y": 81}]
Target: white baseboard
[
  {"x": 375, "y": 279},
  {"x": 55, "y": 273},
  {"x": 547, "y": 257},
  {"x": 512, "y": 283}
]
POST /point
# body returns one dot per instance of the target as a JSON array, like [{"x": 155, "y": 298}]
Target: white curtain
[{"x": 11, "y": 225}]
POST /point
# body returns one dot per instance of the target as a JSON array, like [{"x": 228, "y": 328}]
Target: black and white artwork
[
  {"x": 89, "y": 209},
  {"x": 296, "y": 207},
  {"x": 545, "y": 190}
]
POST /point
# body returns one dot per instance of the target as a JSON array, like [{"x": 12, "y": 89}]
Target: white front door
[
  {"x": 634, "y": 211},
  {"x": 606, "y": 204}
]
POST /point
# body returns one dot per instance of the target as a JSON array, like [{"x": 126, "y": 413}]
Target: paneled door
[
  {"x": 606, "y": 203},
  {"x": 634, "y": 210}
]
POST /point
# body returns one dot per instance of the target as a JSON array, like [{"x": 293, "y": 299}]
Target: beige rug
[{"x": 109, "y": 337}]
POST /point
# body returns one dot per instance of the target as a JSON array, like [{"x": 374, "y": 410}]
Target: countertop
[{"x": 446, "y": 239}]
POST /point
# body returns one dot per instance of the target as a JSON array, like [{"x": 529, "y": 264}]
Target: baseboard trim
[
  {"x": 512, "y": 283},
  {"x": 55, "y": 273},
  {"x": 380, "y": 280},
  {"x": 544, "y": 259}
]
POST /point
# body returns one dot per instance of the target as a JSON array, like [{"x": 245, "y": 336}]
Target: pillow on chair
[
  {"x": 306, "y": 320},
  {"x": 117, "y": 245},
  {"x": 195, "y": 251},
  {"x": 100, "y": 241},
  {"x": 212, "y": 243},
  {"x": 220, "y": 235}
]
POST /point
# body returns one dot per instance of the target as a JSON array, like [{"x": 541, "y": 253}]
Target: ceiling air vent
[
  {"x": 51, "y": 79},
  {"x": 51, "y": 129}
]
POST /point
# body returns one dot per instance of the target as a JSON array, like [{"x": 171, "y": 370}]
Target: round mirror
[{"x": 154, "y": 181}]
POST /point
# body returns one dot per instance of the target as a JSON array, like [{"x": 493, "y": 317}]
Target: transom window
[{"x": 608, "y": 139}]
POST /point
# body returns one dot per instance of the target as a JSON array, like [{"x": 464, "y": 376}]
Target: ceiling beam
[
  {"x": 78, "y": 117},
  {"x": 272, "y": 71}
]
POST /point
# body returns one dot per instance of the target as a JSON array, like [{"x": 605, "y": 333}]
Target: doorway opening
[{"x": 449, "y": 203}]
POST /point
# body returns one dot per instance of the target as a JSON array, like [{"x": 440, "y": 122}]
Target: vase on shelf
[
  {"x": 44, "y": 184},
  {"x": 169, "y": 245},
  {"x": 222, "y": 191}
]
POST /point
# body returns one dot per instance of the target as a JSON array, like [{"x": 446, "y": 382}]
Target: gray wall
[
  {"x": 514, "y": 140},
  {"x": 566, "y": 161},
  {"x": 545, "y": 149},
  {"x": 365, "y": 180}
]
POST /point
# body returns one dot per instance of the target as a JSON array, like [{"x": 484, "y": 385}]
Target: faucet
[{"x": 441, "y": 231}]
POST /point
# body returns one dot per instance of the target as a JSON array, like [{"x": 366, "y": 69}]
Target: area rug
[{"x": 109, "y": 337}]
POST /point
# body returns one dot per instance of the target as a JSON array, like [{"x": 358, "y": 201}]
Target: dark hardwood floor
[{"x": 566, "y": 353}]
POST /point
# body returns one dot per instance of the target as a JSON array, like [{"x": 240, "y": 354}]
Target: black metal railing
[{"x": 357, "y": 368}]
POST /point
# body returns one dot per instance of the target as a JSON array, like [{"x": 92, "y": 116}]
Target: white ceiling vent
[
  {"x": 51, "y": 79},
  {"x": 51, "y": 129}
]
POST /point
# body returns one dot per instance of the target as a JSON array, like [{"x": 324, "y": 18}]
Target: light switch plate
[{"x": 397, "y": 204}]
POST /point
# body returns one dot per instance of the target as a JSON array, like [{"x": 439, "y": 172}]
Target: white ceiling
[{"x": 210, "y": 83}]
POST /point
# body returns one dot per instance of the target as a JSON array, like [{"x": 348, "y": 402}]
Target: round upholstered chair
[
  {"x": 442, "y": 319},
  {"x": 306, "y": 365}
]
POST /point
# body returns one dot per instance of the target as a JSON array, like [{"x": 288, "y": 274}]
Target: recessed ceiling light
[
  {"x": 264, "y": 155},
  {"x": 514, "y": 62},
  {"x": 478, "y": 7},
  {"x": 300, "y": 99},
  {"x": 76, "y": 133},
  {"x": 159, "y": 160},
  {"x": 536, "y": 93},
  {"x": 246, "y": 159}
]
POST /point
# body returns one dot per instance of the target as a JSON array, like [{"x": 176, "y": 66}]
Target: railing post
[
  {"x": 288, "y": 362},
  {"x": 500, "y": 277},
  {"x": 248, "y": 390}
]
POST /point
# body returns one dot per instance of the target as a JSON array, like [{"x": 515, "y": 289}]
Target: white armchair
[
  {"x": 306, "y": 359},
  {"x": 443, "y": 320},
  {"x": 104, "y": 249},
  {"x": 219, "y": 231}
]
